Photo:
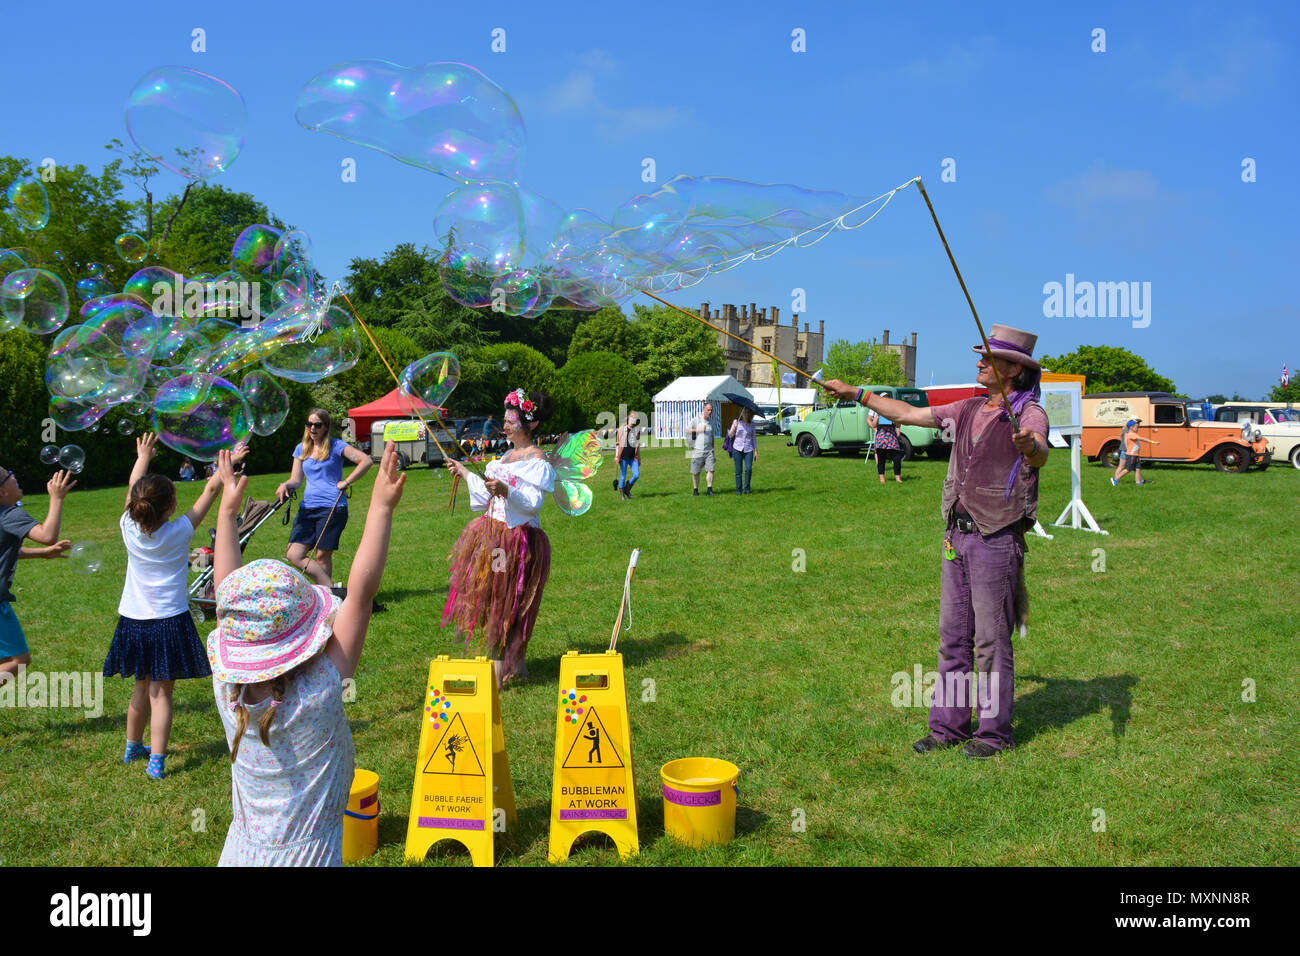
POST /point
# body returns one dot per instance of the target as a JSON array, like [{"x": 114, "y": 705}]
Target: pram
[{"x": 254, "y": 514}]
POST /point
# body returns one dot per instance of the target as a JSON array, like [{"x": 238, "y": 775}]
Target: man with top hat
[{"x": 990, "y": 498}]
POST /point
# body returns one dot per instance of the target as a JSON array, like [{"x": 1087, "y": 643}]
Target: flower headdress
[{"x": 519, "y": 399}]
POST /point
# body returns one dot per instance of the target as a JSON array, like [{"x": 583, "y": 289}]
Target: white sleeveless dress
[{"x": 288, "y": 799}]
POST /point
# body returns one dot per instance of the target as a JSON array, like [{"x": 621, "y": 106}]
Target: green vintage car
[{"x": 843, "y": 428}]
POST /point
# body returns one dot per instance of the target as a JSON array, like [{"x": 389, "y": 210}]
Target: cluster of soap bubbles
[
  {"x": 515, "y": 251},
  {"x": 70, "y": 457},
  {"x": 166, "y": 347}
]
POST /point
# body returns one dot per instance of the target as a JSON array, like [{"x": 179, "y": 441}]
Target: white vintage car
[{"x": 1280, "y": 426}]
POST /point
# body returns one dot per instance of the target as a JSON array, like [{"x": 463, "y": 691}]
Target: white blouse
[{"x": 530, "y": 481}]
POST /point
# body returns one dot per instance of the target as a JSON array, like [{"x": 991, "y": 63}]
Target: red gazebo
[{"x": 395, "y": 404}]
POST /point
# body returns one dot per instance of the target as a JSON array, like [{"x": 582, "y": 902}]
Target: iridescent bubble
[
  {"x": 50, "y": 454},
  {"x": 646, "y": 224},
  {"x": 267, "y": 401},
  {"x": 94, "y": 428},
  {"x": 28, "y": 203},
  {"x": 157, "y": 286},
  {"x": 307, "y": 344},
  {"x": 100, "y": 361},
  {"x": 34, "y": 300},
  {"x": 482, "y": 227},
  {"x": 74, "y": 416},
  {"x": 9, "y": 261},
  {"x": 190, "y": 122},
  {"x": 254, "y": 250},
  {"x": 58, "y": 255},
  {"x": 131, "y": 247},
  {"x": 198, "y": 415},
  {"x": 464, "y": 284},
  {"x": 138, "y": 404},
  {"x": 96, "y": 270},
  {"x": 72, "y": 458},
  {"x": 516, "y": 292},
  {"x": 503, "y": 366},
  {"x": 88, "y": 289},
  {"x": 432, "y": 378},
  {"x": 292, "y": 248},
  {"x": 125, "y": 426},
  {"x": 445, "y": 117},
  {"x": 84, "y": 557},
  {"x": 92, "y": 307}
]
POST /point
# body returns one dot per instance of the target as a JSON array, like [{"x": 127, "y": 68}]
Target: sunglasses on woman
[{"x": 315, "y": 424}]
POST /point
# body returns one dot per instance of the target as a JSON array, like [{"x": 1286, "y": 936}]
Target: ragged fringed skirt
[{"x": 494, "y": 594}]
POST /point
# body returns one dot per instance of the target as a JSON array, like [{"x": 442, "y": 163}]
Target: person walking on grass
[
  {"x": 699, "y": 436},
  {"x": 156, "y": 642},
  {"x": 627, "y": 449},
  {"x": 744, "y": 448},
  {"x": 886, "y": 445},
  {"x": 989, "y": 499},
  {"x": 1130, "y": 457}
]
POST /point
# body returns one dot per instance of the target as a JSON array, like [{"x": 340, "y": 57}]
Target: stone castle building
[
  {"x": 803, "y": 350},
  {"x": 906, "y": 355}
]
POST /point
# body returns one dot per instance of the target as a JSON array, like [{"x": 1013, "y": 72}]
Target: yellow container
[
  {"x": 361, "y": 818},
  {"x": 700, "y": 800}
]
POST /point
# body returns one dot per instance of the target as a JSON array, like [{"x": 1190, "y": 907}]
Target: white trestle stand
[{"x": 1076, "y": 510}]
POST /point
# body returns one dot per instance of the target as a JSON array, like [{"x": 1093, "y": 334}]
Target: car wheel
[
  {"x": 1231, "y": 458},
  {"x": 1295, "y": 456},
  {"x": 1109, "y": 456},
  {"x": 403, "y": 462},
  {"x": 906, "y": 446},
  {"x": 808, "y": 447}
]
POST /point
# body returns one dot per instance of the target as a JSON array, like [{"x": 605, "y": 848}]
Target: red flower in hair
[{"x": 528, "y": 405}]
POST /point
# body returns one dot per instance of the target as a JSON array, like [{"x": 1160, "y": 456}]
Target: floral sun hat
[{"x": 270, "y": 619}]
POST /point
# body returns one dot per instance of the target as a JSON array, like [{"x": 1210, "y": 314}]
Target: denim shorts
[{"x": 314, "y": 523}]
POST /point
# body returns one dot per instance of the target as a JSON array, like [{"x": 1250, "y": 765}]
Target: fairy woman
[{"x": 501, "y": 560}]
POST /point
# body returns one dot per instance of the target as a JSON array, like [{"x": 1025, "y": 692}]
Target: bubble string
[
  {"x": 626, "y": 603},
  {"x": 668, "y": 281},
  {"x": 1015, "y": 426},
  {"x": 825, "y": 229},
  {"x": 383, "y": 358}
]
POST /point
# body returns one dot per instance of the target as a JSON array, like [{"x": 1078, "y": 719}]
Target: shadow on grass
[
  {"x": 1063, "y": 700},
  {"x": 398, "y": 595}
]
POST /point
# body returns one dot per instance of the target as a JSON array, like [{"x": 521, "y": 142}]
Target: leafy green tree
[
  {"x": 496, "y": 369},
  {"x": 205, "y": 228},
  {"x": 1109, "y": 369},
  {"x": 668, "y": 345},
  {"x": 597, "y": 382},
  {"x": 863, "y": 363},
  {"x": 607, "y": 330},
  {"x": 1285, "y": 393}
]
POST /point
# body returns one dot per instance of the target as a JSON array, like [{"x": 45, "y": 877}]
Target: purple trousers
[{"x": 976, "y": 620}]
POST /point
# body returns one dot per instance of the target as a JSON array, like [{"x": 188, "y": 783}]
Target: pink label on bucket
[
  {"x": 593, "y": 814},
  {"x": 683, "y": 799},
  {"x": 367, "y": 801},
  {"x": 450, "y": 823}
]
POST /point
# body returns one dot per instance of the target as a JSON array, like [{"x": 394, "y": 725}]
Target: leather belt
[{"x": 963, "y": 522}]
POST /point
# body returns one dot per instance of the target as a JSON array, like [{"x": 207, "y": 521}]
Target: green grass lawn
[{"x": 1128, "y": 693}]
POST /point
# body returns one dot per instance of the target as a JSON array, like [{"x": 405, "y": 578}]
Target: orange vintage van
[{"x": 1165, "y": 419}]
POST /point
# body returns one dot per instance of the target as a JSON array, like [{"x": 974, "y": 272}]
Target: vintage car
[
  {"x": 843, "y": 427},
  {"x": 1279, "y": 426},
  {"x": 1169, "y": 421}
]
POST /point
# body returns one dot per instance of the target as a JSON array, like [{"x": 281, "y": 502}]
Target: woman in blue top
[
  {"x": 324, "y": 512},
  {"x": 744, "y": 448}
]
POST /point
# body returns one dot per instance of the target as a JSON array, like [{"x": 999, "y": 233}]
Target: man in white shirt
[{"x": 699, "y": 435}]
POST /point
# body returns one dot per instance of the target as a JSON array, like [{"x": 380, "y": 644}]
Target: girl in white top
[
  {"x": 500, "y": 562},
  {"x": 156, "y": 641}
]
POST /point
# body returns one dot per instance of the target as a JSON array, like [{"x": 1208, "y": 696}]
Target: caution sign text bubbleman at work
[{"x": 593, "y": 786}]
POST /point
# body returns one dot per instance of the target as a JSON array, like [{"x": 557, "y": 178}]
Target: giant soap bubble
[
  {"x": 28, "y": 203},
  {"x": 268, "y": 402},
  {"x": 198, "y": 415},
  {"x": 445, "y": 117},
  {"x": 190, "y": 122},
  {"x": 35, "y": 300},
  {"x": 432, "y": 378}
]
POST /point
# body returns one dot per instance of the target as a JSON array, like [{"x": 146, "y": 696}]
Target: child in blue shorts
[{"x": 15, "y": 525}]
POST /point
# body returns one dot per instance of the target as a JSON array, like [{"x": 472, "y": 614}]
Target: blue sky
[{"x": 1115, "y": 166}]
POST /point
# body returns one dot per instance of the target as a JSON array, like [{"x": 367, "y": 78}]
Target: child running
[
  {"x": 155, "y": 641},
  {"x": 280, "y": 653},
  {"x": 1130, "y": 458},
  {"x": 15, "y": 525}
]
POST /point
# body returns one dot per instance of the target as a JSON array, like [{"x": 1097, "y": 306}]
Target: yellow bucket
[
  {"x": 361, "y": 818},
  {"x": 700, "y": 800}
]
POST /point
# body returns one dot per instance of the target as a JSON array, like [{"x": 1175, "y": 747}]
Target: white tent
[
  {"x": 684, "y": 399},
  {"x": 800, "y": 398}
]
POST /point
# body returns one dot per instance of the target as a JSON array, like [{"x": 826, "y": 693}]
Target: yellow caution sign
[
  {"x": 462, "y": 786},
  {"x": 593, "y": 787}
]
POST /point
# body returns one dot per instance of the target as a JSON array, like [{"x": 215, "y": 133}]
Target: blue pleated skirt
[{"x": 165, "y": 649}]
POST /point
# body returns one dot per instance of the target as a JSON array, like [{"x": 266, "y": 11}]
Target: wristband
[{"x": 861, "y": 391}]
